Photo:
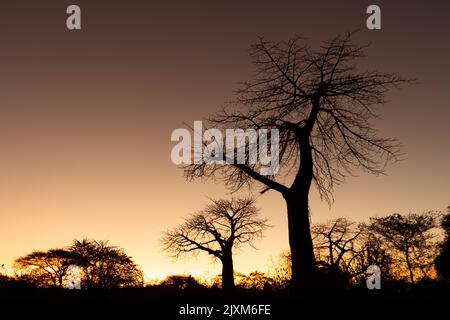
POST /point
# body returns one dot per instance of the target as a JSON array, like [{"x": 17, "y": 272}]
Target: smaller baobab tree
[{"x": 222, "y": 226}]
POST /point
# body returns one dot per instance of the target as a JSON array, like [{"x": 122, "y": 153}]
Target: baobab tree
[
  {"x": 222, "y": 226},
  {"x": 322, "y": 105}
]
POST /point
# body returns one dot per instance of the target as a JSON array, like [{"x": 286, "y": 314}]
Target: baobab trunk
[
  {"x": 302, "y": 251},
  {"x": 227, "y": 272}
]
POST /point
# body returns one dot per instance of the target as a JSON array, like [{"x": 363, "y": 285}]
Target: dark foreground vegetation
[
  {"x": 164, "y": 302},
  {"x": 411, "y": 251}
]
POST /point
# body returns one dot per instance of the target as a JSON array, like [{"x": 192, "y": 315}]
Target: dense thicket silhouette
[
  {"x": 375, "y": 251},
  {"x": 217, "y": 230},
  {"x": 101, "y": 266},
  {"x": 322, "y": 105},
  {"x": 180, "y": 282},
  {"x": 105, "y": 266},
  {"x": 339, "y": 249},
  {"x": 255, "y": 280},
  {"x": 442, "y": 261},
  {"x": 344, "y": 250},
  {"x": 410, "y": 238}
]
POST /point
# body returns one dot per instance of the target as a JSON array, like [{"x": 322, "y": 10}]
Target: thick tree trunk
[
  {"x": 302, "y": 253},
  {"x": 227, "y": 272}
]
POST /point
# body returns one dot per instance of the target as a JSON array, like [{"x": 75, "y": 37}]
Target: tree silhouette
[
  {"x": 105, "y": 266},
  {"x": 322, "y": 106},
  {"x": 256, "y": 280},
  {"x": 45, "y": 268},
  {"x": 218, "y": 229},
  {"x": 410, "y": 238},
  {"x": 375, "y": 252},
  {"x": 442, "y": 261},
  {"x": 344, "y": 250},
  {"x": 281, "y": 271},
  {"x": 102, "y": 266},
  {"x": 180, "y": 282},
  {"x": 338, "y": 249}
]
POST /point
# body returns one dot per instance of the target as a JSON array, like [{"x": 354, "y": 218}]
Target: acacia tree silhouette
[
  {"x": 411, "y": 237},
  {"x": 218, "y": 229},
  {"x": 45, "y": 268},
  {"x": 103, "y": 266},
  {"x": 322, "y": 106}
]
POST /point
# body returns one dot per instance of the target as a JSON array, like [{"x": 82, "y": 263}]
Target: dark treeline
[{"x": 412, "y": 251}]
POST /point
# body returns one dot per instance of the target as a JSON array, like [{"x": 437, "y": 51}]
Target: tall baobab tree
[
  {"x": 218, "y": 229},
  {"x": 322, "y": 105}
]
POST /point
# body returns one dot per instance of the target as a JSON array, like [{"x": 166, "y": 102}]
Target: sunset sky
[{"x": 86, "y": 117}]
